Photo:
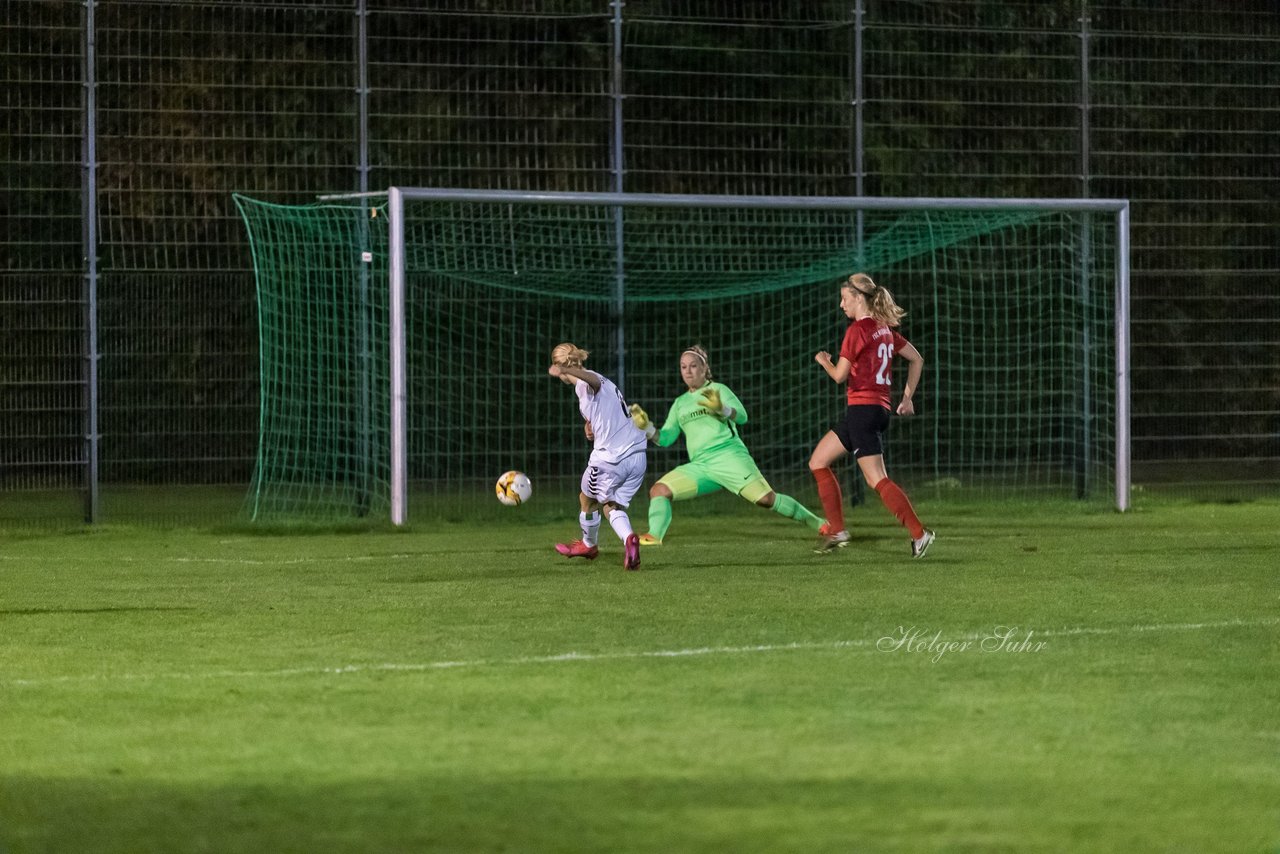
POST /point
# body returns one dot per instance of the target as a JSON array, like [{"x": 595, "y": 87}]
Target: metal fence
[{"x": 126, "y": 297}]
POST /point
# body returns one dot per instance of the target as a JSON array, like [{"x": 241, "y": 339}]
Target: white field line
[{"x": 867, "y": 644}]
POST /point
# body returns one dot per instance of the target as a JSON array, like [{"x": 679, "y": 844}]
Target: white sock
[
  {"x": 590, "y": 523},
  {"x": 621, "y": 523}
]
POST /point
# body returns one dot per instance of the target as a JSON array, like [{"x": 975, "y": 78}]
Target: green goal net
[{"x": 1013, "y": 305}]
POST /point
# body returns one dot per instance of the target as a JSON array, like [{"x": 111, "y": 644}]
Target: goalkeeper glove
[
  {"x": 640, "y": 418},
  {"x": 711, "y": 400}
]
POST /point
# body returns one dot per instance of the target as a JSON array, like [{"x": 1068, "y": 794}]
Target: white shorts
[{"x": 617, "y": 482}]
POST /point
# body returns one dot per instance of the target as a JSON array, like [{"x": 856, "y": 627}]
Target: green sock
[
  {"x": 659, "y": 516},
  {"x": 789, "y": 507}
]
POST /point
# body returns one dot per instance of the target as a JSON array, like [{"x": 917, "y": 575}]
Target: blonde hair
[
  {"x": 697, "y": 350},
  {"x": 880, "y": 301},
  {"x": 567, "y": 355}
]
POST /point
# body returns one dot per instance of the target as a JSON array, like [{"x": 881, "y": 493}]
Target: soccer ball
[{"x": 513, "y": 488}]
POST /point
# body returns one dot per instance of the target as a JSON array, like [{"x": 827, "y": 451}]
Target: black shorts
[{"x": 862, "y": 429}]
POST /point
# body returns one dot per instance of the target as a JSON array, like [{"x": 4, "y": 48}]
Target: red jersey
[{"x": 870, "y": 345}]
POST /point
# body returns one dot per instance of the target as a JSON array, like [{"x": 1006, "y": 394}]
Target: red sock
[
  {"x": 832, "y": 499},
  {"x": 898, "y": 503}
]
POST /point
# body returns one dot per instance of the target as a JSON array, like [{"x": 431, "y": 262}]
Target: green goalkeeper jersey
[{"x": 704, "y": 431}]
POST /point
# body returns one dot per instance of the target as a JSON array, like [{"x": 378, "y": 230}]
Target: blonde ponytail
[
  {"x": 880, "y": 301},
  {"x": 567, "y": 355}
]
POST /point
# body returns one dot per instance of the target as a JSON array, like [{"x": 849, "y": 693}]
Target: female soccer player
[
  {"x": 866, "y": 363},
  {"x": 709, "y": 415},
  {"x": 615, "y": 470}
]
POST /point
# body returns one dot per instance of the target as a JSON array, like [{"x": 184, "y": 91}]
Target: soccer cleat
[
  {"x": 631, "y": 553},
  {"x": 829, "y": 542},
  {"x": 649, "y": 540},
  {"x": 920, "y": 546},
  {"x": 578, "y": 549}
]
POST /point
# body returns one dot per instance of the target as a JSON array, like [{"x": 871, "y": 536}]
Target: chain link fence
[{"x": 129, "y": 123}]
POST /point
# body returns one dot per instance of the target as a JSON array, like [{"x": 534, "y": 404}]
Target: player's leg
[
  {"x": 623, "y": 482},
  {"x": 785, "y": 505},
  {"x": 589, "y": 522},
  {"x": 830, "y": 448},
  {"x": 737, "y": 471},
  {"x": 589, "y": 518},
  {"x": 890, "y": 493},
  {"x": 620, "y": 521},
  {"x": 686, "y": 481},
  {"x": 619, "y": 484},
  {"x": 871, "y": 461},
  {"x": 659, "y": 514},
  {"x": 897, "y": 501}
]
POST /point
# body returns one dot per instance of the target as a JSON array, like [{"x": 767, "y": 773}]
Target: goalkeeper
[{"x": 709, "y": 415}]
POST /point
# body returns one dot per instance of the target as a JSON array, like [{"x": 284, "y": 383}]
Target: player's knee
[
  {"x": 766, "y": 500},
  {"x": 660, "y": 490}
]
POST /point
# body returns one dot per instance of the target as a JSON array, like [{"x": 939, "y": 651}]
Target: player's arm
[
  {"x": 582, "y": 374},
  {"x": 838, "y": 370},
  {"x": 664, "y": 437},
  {"x": 731, "y": 400},
  {"x": 915, "y": 367},
  {"x": 670, "y": 429},
  {"x": 721, "y": 401},
  {"x": 640, "y": 418}
]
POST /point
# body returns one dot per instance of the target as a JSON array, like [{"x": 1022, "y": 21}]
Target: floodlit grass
[{"x": 466, "y": 689}]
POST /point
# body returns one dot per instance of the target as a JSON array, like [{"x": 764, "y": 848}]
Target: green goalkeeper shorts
[{"x": 731, "y": 469}]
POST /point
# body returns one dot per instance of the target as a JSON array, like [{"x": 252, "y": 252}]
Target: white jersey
[{"x": 616, "y": 437}]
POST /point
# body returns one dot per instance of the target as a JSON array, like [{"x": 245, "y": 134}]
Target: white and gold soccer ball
[{"x": 513, "y": 488}]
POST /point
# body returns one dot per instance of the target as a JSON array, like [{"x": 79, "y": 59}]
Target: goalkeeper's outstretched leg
[
  {"x": 787, "y": 506},
  {"x": 693, "y": 479}
]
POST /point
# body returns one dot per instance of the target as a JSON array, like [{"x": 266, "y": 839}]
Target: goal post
[{"x": 1020, "y": 307}]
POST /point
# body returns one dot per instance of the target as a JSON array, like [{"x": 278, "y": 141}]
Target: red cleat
[
  {"x": 631, "y": 553},
  {"x": 578, "y": 549}
]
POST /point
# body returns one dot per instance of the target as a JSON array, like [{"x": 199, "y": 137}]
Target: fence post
[
  {"x": 857, "y": 495},
  {"x": 364, "y": 333},
  {"x": 620, "y": 272},
  {"x": 1084, "y": 458},
  {"x": 362, "y": 94},
  {"x": 89, "y": 237}
]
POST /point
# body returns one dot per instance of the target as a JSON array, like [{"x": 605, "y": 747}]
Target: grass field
[{"x": 466, "y": 689}]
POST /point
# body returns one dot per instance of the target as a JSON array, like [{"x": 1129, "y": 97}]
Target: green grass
[{"x": 466, "y": 689}]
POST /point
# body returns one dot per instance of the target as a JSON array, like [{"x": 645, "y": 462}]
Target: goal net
[{"x": 404, "y": 338}]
